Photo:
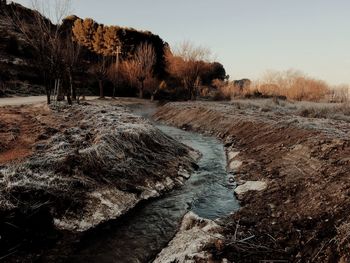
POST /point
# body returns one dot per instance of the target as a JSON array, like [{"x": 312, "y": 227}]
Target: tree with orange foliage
[{"x": 83, "y": 32}]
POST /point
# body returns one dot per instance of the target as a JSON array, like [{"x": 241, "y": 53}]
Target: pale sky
[{"x": 248, "y": 37}]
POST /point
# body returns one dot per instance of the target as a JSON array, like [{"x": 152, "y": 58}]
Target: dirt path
[
  {"x": 21, "y": 100},
  {"x": 16, "y": 101},
  {"x": 21, "y": 127},
  {"x": 23, "y": 120}
]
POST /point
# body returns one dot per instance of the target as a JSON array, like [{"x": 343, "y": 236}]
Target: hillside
[{"x": 18, "y": 72}]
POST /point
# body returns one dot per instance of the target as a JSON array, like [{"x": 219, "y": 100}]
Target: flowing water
[{"x": 140, "y": 235}]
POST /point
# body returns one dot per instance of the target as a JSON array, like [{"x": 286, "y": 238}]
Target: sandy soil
[{"x": 303, "y": 215}]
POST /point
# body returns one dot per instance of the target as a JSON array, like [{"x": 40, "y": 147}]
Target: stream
[{"x": 142, "y": 233}]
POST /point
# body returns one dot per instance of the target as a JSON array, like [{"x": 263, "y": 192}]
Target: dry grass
[
  {"x": 343, "y": 240},
  {"x": 305, "y": 163},
  {"x": 292, "y": 85},
  {"x": 320, "y": 110},
  {"x": 106, "y": 148}
]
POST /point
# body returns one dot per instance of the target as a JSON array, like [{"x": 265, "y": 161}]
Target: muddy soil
[{"x": 303, "y": 215}]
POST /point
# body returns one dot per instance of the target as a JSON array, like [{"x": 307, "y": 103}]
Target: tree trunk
[
  {"x": 69, "y": 100},
  {"x": 141, "y": 91},
  {"x": 100, "y": 83},
  {"x": 193, "y": 94},
  {"x": 154, "y": 94},
  {"x": 69, "y": 92},
  {"x": 74, "y": 94},
  {"x": 48, "y": 96},
  {"x": 190, "y": 93},
  {"x": 72, "y": 89},
  {"x": 60, "y": 91},
  {"x": 48, "y": 89},
  {"x": 113, "y": 93}
]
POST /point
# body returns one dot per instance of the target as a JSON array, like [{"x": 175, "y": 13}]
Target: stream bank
[
  {"x": 108, "y": 138},
  {"x": 85, "y": 165},
  {"x": 302, "y": 215},
  {"x": 141, "y": 234}
]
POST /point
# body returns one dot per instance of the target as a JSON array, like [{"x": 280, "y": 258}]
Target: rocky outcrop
[
  {"x": 188, "y": 245},
  {"x": 233, "y": 163},
  {"x": 250, "y": 186},
  {"x": 18, "y": 75}
]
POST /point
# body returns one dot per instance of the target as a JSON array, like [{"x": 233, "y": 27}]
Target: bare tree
[
  {"x": 71, "y": 58},
  {"x": 155, "y": 86},
  {"x": 128, "y": 70},
  {"x": 187, "y": 63},
  {"x": 100, "y": 70},
  {"x": 44, "y": 38},
  {"x": 139, "y": 68},
  {"x": 145, "y": 58}
]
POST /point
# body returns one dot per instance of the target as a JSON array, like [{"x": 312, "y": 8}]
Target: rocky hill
[{"x": 17, "y": 75}]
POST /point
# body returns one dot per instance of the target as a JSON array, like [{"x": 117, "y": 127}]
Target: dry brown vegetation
[
  {"x": 294, "y": 85},
  {"x": 291, "y": 85},
  {"x": 139, "y": 69},
  {"x": 188, "y": 63},
  {"x": 82, "y": 56}
]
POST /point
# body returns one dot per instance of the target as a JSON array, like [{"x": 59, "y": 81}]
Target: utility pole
[{"x": 118, "y": 52}]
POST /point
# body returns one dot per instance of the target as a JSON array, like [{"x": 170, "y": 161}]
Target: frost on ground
[
  {"x": 189, "y": 244},
  {"x": 298, "y": 156},
  {"x": 96, "y": 169}
]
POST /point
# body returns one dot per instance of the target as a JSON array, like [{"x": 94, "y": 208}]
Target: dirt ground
[
  {"x": 20, "y": 129},
  {"x": 65, "y": 171},
  {"x": 303, "y": 215},
  {"x": 27, "y": 121}
]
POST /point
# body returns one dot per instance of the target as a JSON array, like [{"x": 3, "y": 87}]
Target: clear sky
[{"x": 248, "y": 37}]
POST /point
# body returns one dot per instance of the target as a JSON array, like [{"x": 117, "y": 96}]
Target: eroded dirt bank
[
  {"x": 303, "y": 215},
  {"x": 72, "y": 169}
]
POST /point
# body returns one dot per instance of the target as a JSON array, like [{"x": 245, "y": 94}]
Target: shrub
[{"x": 293, "y": 85}]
